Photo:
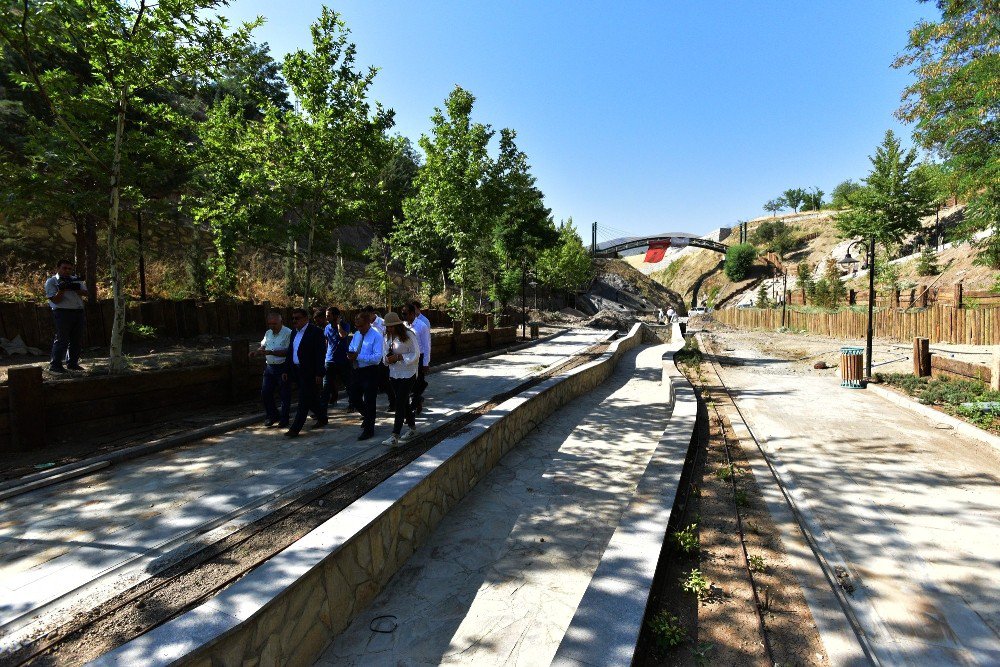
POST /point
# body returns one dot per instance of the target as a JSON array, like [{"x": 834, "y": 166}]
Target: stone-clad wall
[{"x": 289, "y": 609}]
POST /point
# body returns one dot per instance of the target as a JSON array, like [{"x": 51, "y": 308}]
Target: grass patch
[
  {"x": 949, "y": 395},
  {"x": 667, "y": 631},
  {"x": 690, "y": 354}
]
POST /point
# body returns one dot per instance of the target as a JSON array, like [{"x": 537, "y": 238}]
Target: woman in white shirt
[{"x": 401, "y": 356}]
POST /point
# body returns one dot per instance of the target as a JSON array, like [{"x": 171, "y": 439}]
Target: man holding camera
[{"x": 65, "y": 293}]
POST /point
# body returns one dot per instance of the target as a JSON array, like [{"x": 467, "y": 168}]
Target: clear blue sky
[{"x": 645, "y": 116}]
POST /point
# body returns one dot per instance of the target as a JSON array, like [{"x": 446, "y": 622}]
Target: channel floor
[{"x": 501, "y": 577}]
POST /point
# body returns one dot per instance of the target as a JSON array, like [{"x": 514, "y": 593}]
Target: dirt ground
[{"x": 723, "y": 626}]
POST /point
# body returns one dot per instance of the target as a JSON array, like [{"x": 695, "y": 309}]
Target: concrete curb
[
  {"x": 290, "y": 606},
  {"x": 21, "y": 485},
  {"x": 608, "y": 621},
  {"x": 963, "y": 427}
]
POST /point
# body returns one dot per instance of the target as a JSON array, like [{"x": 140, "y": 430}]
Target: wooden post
[
  {"x": 923, "y": 298},
  {"x": 995, "y": 371},
  {"x": 27, "y": 408},
  {"x": 852, "y": 297},
  {"x": 490, "y": 328},
  {"x": 958, "y": 295},
  {"x": 240, "y": 374},
  {"x": 534, "y": 330},
  {"x": 921, "y": 357},
  {"x": 456, "y": 331}
]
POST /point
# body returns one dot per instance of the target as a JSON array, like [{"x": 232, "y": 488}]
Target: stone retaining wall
[{"x": 287, "y": 610}]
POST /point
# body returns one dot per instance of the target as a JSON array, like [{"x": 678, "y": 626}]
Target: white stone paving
[
  {"x": 501, "y": 577},
  {"x": 72, "y": 545},
  {"x": 911, "y": 510}
]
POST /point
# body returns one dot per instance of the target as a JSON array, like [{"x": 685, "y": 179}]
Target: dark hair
[
  {"x": 63, "y": 261},
  {"x": 400, "y": 327},
  {"x": 416, "y": 304},
  {"x": 334, "y": 310},
  {"x": 300, "y": 311},
  {"x": 369, "y": 309},
  {"x": 274, "y": 313},
  {"x": 319, "y": 311}
]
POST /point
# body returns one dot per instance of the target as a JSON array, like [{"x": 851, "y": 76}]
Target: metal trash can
[{"x": 852, "y": 367}]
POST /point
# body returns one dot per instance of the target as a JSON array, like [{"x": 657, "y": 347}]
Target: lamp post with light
[
  {"x": 849, "y": 261},
  {"x": 534, "y": 291}
]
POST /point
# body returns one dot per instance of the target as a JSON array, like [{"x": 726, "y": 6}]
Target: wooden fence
[
  {"x": 940, "y": 324},
  {"x": 34, "y": 412},
  {"x": 917, "y": 297},
  {"x": 172, "y": 319}
]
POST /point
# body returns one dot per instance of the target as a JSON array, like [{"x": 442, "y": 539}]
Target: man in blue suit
[{"x": 305, "y": 364}]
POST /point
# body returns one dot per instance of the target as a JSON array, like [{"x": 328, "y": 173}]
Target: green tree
[
  {"x": 804, "y": 278},
  {"x": 772, "y": 206},
  {"x": 842, "y": 193},
  {"x": 328, "y": 155},
  {"x": 813, "y": 200},
  {"x": 739, "y": 259},
  {"x": 763, "y": 298},
  {"x": 567, "y": 265},
  {"x": 446, "y": 220},
  {"x": 954, "y": 102},
  {"x": 894, "y": 197},
  {"x": 927, "y": 264},
  {"x": 129, "y": 49},
  {"x": 775, "y": 236},
  {"x": 793, "y": 198},
  {"x": 886, "y": 273}
]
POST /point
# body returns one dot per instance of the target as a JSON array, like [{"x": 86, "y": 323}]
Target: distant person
[
  {"x": 365, "y": 353},
  {"x": 384, "y": 386},
  {"x": 304, "y": 364},
  {"x": 65, "y": 292},
  {"x": 274, "y": 347},
  {"x": 671, "y": 314},
  {"x": 402, "y": 356},
  {"x": 659, "y": 316},
  {"x": 411, "y": 313}
]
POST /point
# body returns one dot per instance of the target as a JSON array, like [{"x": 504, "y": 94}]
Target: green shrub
[
  {"x": 739, "y": 259},
  {"x": 687, "y": 540},
  {"x": 696, "y": 583},
  {"x": 667, "y": 630}
]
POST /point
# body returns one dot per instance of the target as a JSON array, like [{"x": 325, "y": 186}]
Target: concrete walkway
[
  {"x": 910, "y": 510},
  {"x": 70, "y": 546},
  {"x": 501, "y": 577}
]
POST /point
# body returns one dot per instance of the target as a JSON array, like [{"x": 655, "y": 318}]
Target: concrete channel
[{"x": 289, "y": 609}]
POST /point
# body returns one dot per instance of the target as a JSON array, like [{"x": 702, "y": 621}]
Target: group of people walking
[{"x": 325, "y": 355}]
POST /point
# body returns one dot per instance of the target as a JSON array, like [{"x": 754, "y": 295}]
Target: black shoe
[
  {"x": 366, "y": 435},
  {"x": 291, "y": 433},
  {"x": 282, "y": 424},
  {"x": 319, "y": 423},
  {"x": 75, "y": 367},
  {"x": 56, "y": 369},
  {"x": 268, "y": 423}
]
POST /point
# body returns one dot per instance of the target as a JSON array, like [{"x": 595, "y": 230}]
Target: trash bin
[{"x": 852, "y": 367}]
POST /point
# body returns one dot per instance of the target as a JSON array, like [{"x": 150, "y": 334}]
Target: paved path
[
  {"x": 93, "y": 537},
  {"x": 501, "y": 577},
  {"x": 912, "y": 510}
]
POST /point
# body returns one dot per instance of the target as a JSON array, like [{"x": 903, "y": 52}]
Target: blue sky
[{"x": 643, "y": 116}]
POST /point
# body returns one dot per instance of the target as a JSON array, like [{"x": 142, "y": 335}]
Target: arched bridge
[{"x": 660, "y": 241}]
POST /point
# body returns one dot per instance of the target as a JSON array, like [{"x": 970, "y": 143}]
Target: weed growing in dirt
[
  {"x": 701, "y": 653},
  {"x": 742, "y": 500},
  {"x": 696, "y": 583},
  {"x": 667, "y": 630},
  {"x": 690, "y": 354},
  {"x": 724, "y": 473},
  {"x": 950, "y": 394},
  {"x": 752, "y": 527},
  {"x": 687, "y": 540},
  {"x": 758, "y": 563}
]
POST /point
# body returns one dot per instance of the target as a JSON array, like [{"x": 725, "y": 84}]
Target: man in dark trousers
[
  {"x": 365, "y": 353},
  {"x": 304, "y": 363}
]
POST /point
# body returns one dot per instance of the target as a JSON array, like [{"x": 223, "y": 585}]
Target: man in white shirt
[
  {"x": 384, "y": 386},
  {"x": 365, "y": 352},
  {"x": 274, "y": 347},
  {"x": 422, "y": 329},
  {"x": 64, "y": 292}
]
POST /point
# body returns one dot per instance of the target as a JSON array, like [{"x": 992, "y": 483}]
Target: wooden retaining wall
[
  {"x": 940, "y": 324},
  {"x": 34, "y": 412}
]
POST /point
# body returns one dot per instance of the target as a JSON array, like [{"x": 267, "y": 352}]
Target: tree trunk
[
  {"x": 80, "y": 234},
  {"x": 290, "y": 269},
  {"x": 142, "y": 256},
  {"x": 309, "y": 263},
  {"x": 90, "y": 272},
  {"x": 116, "y": 357}
]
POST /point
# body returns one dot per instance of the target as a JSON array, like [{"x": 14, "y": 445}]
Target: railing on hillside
[{"x": 939, "y": 323}]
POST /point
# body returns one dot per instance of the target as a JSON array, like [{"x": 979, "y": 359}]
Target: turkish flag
[{"x": 655, "y": 252}]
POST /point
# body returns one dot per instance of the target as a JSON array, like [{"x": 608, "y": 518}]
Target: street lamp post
[
  {"x": 524, "y": 306},
  {"x": 534, "y": 292},
  {"x": 848, "y": 261}
]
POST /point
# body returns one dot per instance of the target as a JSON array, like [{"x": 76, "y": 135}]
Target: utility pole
[{"x": 593, "y": 238}]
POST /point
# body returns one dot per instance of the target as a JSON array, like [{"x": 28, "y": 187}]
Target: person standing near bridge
[{"x": 304, "y": 360}]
